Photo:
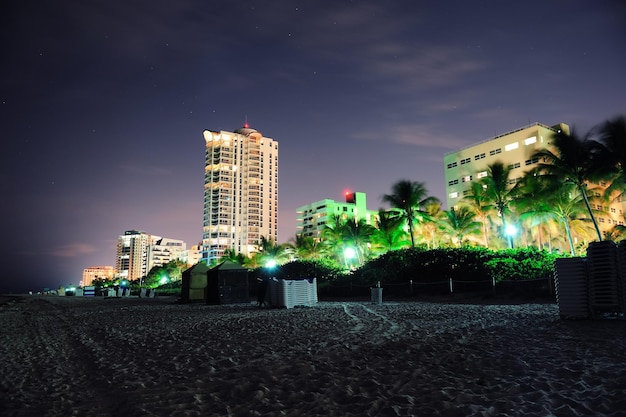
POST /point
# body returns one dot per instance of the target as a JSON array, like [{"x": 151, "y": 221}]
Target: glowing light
[
  {"x": 271, "y": 264},
  {"x": 510, "y": 230},
  {"x": 349, "y": 253}
]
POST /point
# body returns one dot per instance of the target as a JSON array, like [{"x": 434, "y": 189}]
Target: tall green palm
[
  {"x": 270, "y": 250},
  {"x": 479, "y": 202},
  {"x": 460, "y": 222},
  {"x": 358, "y": 234},
  {"x": 389, "y": 234},
  {"x": 233, "y": 256},
  {"x": 530, "y": 201},
  {"x": 498, "y": 191},
  {"x": 565, "y": 203},
  {"x": 307, "y": 247},
  {"x": 573, "y": 160},
  {"x": 409, "y": 197}
]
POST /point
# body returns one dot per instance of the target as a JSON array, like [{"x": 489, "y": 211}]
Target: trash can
[{"x": 377, "y": 295}]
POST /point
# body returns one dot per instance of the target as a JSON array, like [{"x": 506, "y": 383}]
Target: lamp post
[
  {"x": 510, "y": 231},
  {"x": 348, "y": 254}
]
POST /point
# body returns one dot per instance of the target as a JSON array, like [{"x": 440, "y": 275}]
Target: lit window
[
  {"x": 530, "y": 141},
  {"x": 511, "y": 146},
  {"x": 467, "y": 178},
  {"x": 482, "y": 174},
  {"x": 454, "y": 194}
]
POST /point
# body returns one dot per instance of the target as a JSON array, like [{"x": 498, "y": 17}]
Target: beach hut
[
  {"x": 194, "y": 283},
  {"x": 227, "y": 283}
]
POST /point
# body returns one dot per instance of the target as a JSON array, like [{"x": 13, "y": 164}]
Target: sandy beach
[{"x": 71, "y": 356}]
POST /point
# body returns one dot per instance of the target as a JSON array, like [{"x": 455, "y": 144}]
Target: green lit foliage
[
  {"x": 459, "y": 223},
  {"x": 160, "y": 275},
  {"x": 574, "y": 160},
  {"x": 100, "y": 283},
  {"x": 233, "y": 256},
  {"x": 410, "y": 198}
]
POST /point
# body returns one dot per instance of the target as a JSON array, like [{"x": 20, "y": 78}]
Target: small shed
[
  {"x": 194, "y": 283},
  {"x": 227, "y": 283}
]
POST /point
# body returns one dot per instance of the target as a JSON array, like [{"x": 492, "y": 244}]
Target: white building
[
  {"x": 138, "y": 252},
  {"x": 312, "y": 217},
  {"x": 240, "y": 192}
]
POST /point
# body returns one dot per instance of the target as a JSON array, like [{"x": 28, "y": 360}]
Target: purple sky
[{"x": 103, "y": 104}]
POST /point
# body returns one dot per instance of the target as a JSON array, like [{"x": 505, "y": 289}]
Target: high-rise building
[
  {"x": 515, "y": 149},
  {"x": 312, "y": 218},
  {"x": 138, "y": 252},
  {"x": 132, "y": 255},
  {"x": 240, "y": 192}
]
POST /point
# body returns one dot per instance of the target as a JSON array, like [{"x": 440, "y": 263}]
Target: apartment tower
[{"x": 240, "y": 192}]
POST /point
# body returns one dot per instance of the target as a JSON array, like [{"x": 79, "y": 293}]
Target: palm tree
[
  {"x": 409, "y": 197},
  {"x": 460, "y": 222},
  {"x": 477, "y": 199},
  {"x": 531, "y": 200},
  {"x": 233, "y": 256},
  {"x": 574, "y": 161},
  {"x": 612, "y": 134},
  {"x": 498, "y": 191},
  {"x": 430, "y": 224},
  {"x": 307, "y": 247},
  {"x": 389, "y": 234},
  {"x": 271, "y": 251},
  {"x": 565, "y": 204},
  {"x": 358, "y": 234}
]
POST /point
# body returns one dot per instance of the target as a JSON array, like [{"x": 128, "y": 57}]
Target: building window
[
  {"x": 452, "y": 165},
  {"x": 479, "y": 156},
  {"x": 453, "y": 182},
  {"x": 481, "y": 174},
  {"x": 454, "y": 195},
  {"x": 466, "y": 161},
  {"x": 467, "y": 178},
  {"x": 495, "y": 151},
  {"x": 531, "y": 161},
  {"x": 515, "y": 165},
  {"x": 511, "y": 146},
  {"x": 530, "y": 141}
]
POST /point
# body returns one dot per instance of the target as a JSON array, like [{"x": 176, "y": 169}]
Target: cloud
[{"x": 72, "y": 250}]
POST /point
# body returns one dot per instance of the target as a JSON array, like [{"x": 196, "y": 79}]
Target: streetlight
[
  {"x": 348, "y": 254},
  {"x": 510, "y": 231}
]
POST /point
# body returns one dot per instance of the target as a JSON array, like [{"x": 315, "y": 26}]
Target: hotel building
[
  {"x": 138, "y": 252},
  {"x": 97, "y": 272},
  {"x": 515, "y": 149},
  {"x": 312, "y": 218},
  {"x": 240, "y": 192}
]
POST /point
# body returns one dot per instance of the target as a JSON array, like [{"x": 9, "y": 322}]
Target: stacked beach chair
[
  {"x": 570, "y": 280},
  {"x": 603, "y": 278},
  {"x": 293, "y": 292},
  {"x": 594, "y": 286},
  {"x": 621, "y": 283}
]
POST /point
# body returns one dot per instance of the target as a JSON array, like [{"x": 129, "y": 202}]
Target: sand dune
[{"x": 64, "y": 356}]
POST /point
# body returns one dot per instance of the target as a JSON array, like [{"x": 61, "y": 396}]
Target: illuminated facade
[
  {"x": 97, "y": 272},
  {"x": 138, "y": 252},
  {"x": 240, "y": 192},
  {"x": 163, "y": 250},
  {"x": 312, "y": 218},
  {"x": 514, "y": 149}
]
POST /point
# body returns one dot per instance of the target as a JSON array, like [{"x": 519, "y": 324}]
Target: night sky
[{"x": 103, "y": 104}]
